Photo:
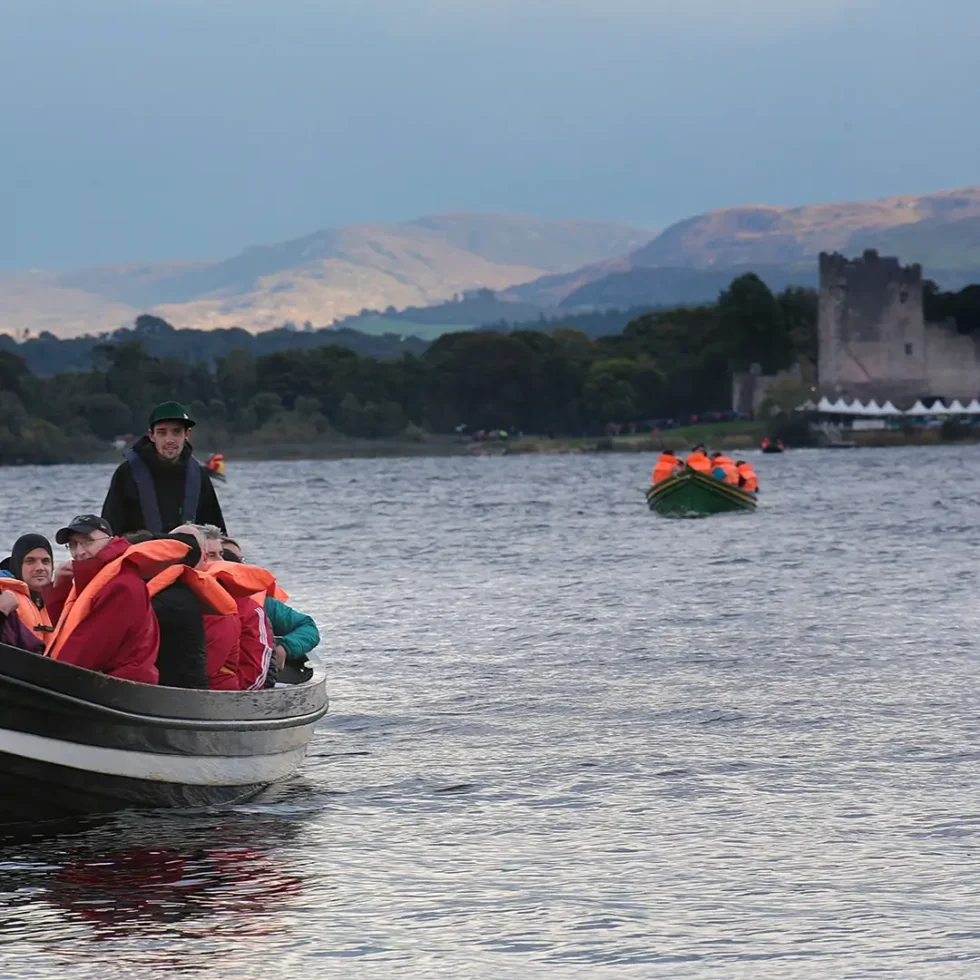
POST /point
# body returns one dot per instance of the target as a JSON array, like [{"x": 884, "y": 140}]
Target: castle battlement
[{"x": 838, "y": 270}]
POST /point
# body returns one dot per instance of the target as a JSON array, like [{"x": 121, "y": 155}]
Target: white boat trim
[{"x": 187, "y": 770}]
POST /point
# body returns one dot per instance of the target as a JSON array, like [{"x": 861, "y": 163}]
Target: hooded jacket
[
  {"x": 122, "y": 507},
  {"x": 118, "y": 635}
]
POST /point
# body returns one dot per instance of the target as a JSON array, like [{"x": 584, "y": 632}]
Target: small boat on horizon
[
  {"x": 772, "y": 446},
  {"x": 694, "y": 494}
]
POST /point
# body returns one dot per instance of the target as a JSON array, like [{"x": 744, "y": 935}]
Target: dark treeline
[
  {"x": 961, "y": 307},
  {"x": 595, "y": 324},
  {"x": 47, "y": 354},
  {"x": 663, "y": 364},
  {"x": 478, "y": 306}
]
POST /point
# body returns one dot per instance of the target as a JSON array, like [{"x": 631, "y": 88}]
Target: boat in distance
[{"x": 694, "y": 494}]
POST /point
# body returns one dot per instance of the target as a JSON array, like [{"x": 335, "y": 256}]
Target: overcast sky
[{"x": 145, "y": 129}]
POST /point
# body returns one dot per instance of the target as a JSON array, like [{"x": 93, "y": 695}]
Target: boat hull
[
  {"x": 74, "y": 742},
  {"x": 693, "y": 494}
]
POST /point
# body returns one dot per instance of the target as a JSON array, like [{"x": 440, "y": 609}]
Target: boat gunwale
[
  {"x": 713, "y": 485},
  {"x": 168, "y": 721},
  {"x": 154, "y": 705}
]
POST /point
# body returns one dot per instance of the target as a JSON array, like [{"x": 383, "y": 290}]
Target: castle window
[
  {"x": 908, "y": 348},
  {"x": 903, "y": 297}
]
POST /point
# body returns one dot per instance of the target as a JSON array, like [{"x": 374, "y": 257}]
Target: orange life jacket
[
  {"x": 665, "y": 467},
  {"x": 246, "y": 580},
  {"x": 215, "y": 600},
  {"x": 148, "y": 559},
  {"x": 27, "y": 610},
  {"x": 728, "y": 466},
  {"x": 698, "y": 461},
  {"x": 748, "y": 474}
]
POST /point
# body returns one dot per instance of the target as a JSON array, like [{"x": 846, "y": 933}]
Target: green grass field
[{"x": 717, "y": 435}]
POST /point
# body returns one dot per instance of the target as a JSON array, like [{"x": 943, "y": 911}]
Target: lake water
[{"x": 568, "y": 737}]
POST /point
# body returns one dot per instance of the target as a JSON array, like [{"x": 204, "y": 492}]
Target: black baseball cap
[{"x": 83, "y": 524}]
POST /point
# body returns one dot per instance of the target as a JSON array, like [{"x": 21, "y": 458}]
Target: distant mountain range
[
  {"x": 320, "y": 278},
  {"x": 691, "y": 260},
  {"x": 534, "y": 265}
]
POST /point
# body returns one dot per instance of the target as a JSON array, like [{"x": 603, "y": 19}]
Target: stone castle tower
[{"x": 872, "y": 331}]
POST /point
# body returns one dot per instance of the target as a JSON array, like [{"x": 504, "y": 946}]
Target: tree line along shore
[{"x": 561, "y": 388}]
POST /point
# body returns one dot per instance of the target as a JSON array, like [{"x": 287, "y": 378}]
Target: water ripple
[{"x": 568, "y": 738}]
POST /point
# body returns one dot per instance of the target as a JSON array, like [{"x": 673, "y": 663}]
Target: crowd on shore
[
  {"x": 179, "y": 607},
  {"x": 736, "y": 473}
]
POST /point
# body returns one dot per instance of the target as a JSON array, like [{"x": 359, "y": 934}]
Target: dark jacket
[
  {"x": 122, "y": 503},
  {"x": 182, "y": 659}
]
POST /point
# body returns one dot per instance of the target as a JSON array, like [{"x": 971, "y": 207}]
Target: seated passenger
[
  {"x": 249, "y": 586},
  {"x": 104, "y": 619},
  {"x": 723, "y": 468},
  {"x": 180, "y": 596},
  {"x": 666, "y": 466},
  {"x": 296, "y": 634},
  {"x": 26, "y": 574},
  {"x": 220, "y": 622},
  {"x": 747, "y": 478},
  {"x": 698, "y": 459}
]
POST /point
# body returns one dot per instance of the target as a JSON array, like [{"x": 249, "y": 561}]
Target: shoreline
[{"x": 722, "y": 436}]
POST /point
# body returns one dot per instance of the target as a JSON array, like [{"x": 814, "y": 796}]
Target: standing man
[{"x": 161, "y": 485}]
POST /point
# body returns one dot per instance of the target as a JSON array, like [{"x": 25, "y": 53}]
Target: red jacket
[
  {"x": 222, "y": 635},
  {"x": 119, "y": 636},
  {"x": 255, "y": 646}
]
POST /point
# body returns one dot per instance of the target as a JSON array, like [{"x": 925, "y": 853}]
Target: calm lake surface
[{"x": 568, "y": 737}]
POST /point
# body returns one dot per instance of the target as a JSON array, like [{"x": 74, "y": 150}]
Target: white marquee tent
[{"x": 874, "y": 410}]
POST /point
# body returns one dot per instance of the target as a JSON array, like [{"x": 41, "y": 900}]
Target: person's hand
[
  {"x": 8, "y": 603},
  {"x": 280, "y": 652},
  {"x": 64, "y": 573}
]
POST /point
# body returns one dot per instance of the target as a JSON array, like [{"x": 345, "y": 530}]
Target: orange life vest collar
[
  {"x": 246, "y": 581},
  {"x": 214, "y": 599},
  {"x": 147, "y": 559}
]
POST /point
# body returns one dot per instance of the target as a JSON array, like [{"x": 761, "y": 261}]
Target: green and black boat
[{"x": 694, "y": 494}]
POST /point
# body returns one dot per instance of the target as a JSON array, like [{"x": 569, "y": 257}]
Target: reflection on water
[
  {"x": 144, "y": 885},
  {"x": 568, "y": 738}
]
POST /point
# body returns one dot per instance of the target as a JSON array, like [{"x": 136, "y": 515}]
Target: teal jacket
[{"x": 295, "y": 631}]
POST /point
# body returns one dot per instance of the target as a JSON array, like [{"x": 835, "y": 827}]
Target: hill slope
[
  {"x": 321, "y": 277},
  {"x": 942, "y": 231}
]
